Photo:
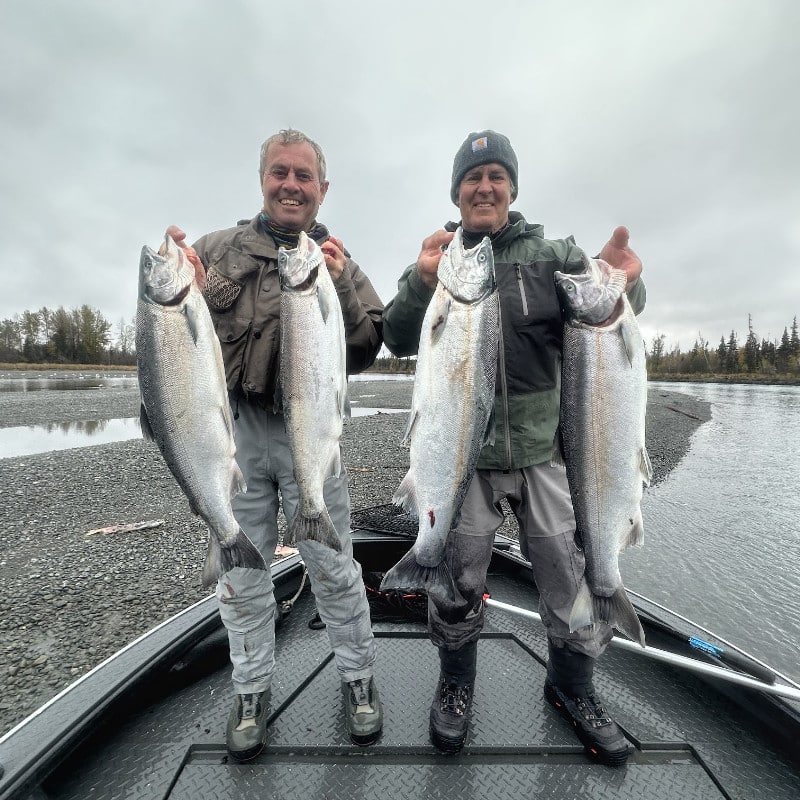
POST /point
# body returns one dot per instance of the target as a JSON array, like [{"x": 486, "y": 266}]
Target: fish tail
[
  {"x": 617, "y": 611},
  {"x": 622, "y": 615},
  {"x": 222, "y": 558},
  {"x": 409, "y": 574},
  {"x": 315, "y": 528}
]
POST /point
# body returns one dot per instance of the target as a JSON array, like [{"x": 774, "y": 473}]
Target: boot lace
[
  {"x": 249, "y": 706},
  {"x": 592, "y": 711},
  {"x": 454, "y": 698}
]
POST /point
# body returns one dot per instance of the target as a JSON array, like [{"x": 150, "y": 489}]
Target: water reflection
[
  {"x": 65, "y": 381},
  {"x": 27, "y": 440},
  {"x": 33, "y": 382}
]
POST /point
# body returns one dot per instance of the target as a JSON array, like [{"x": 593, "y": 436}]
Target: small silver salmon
[
  {"x": 602, "y": 437},
  {"x": 313, "y": 380},
  {"x": 185, "y": 407},
  {"x": 451, "y": 411}
]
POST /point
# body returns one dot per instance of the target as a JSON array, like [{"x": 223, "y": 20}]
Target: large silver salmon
[
  {"x": 185, "y": 406},
  {"x": 451, "y": 411},
  {"x": 313, "y": 372},
  {"x": 602, "y": 438}
]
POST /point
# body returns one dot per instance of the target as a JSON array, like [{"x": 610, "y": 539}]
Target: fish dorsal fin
[{"x": 439, "y": 320}]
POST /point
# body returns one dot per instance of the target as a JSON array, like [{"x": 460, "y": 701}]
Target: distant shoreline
[{"x": 743, "y": 379}]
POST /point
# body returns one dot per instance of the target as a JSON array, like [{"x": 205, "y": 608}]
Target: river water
[{"x": 722, "y": 532}]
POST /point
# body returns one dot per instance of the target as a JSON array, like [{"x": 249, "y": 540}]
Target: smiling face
[
  {"x": 484, "y": 196},
  {"x": 290, "y": 184}
]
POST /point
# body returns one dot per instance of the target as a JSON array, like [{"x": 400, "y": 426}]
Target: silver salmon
[
  {"x": 602, "y": 438},
  {"x": 451, "y": 410},
  {"x": 313, "y": 381},
  {"x": 185, "y": 407}
]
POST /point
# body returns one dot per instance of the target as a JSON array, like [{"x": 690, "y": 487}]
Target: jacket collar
[{"x": 255, "y": 242}]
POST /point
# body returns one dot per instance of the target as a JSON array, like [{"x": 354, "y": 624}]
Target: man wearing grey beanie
[{"x": 517, "y": 465}]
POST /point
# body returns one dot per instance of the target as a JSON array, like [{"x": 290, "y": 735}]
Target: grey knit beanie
[{"x": 484, "y": 147}]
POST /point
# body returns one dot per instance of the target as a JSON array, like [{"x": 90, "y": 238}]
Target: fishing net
[
  {"x": 394, "y": 605},
  {"x": 387, "y": 518}
]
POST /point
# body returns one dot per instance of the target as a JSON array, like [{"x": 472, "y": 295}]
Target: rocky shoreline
[{"x": 70, "y": 599}]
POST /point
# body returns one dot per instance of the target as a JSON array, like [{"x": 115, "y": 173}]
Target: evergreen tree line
[
  {"x": 83, "y": 336},
  {"x": 80, "y": 336},
  {"x": 754, "y": 357}
]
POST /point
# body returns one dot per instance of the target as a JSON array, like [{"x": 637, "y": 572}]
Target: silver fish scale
[
  {"x": 182, "y": 383},
  {"x": 452, "y": 403},
  {"x": 603, "y": 405},
  {"x": 313, "y": 384}
]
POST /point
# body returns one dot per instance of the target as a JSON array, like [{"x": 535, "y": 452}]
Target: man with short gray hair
[{"x": 239, "y": 267}]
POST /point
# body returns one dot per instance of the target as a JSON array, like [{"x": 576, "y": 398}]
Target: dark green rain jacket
[{"x": 529, "y": 370}]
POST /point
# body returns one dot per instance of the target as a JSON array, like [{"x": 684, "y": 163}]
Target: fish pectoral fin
[
  {"x": 441, "y": 313},
  {"x": 629, "y": 335},
  {"x": 645, "y": 467},
  {"x": 238, "y": 485},
  {"x": 491, "y": 429},
  {"x": 193, "y": 321},
  {"x": 227, "y": 418},
  {"x": 636, "y": 533},
  {"x": 336, "y": 463},
  {"x": 406, "y": 495},
  {"x": 144, "y": 424},
  {"x": 557, "y": 456},
  {"x": 324, "y": 305},
  {"x": 412, "y": 421},
  {"x": 344, "y": 405}
]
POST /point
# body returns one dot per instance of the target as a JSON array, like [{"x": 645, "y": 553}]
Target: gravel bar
[{"x": 71, "y": 599}]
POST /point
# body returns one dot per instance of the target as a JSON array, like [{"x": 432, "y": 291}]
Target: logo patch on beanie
[{"x": 480, "y": 144}]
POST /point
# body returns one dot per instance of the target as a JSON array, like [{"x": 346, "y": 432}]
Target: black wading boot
[
  {"x": 452, "y": 703},
  {"x": 569, "y": 688},
  {"x": 247, "y": 725}
]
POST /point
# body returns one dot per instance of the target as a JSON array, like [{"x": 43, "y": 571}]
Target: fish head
[
  {"x": 166, "y": 276},
  {"x": 592, "y": 295},
  {"x": 298, "y": 268},
  {"x": 468, "y": 274}
]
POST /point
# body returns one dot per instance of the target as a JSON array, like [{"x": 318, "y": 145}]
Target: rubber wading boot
[
  {"x": 247, "y": 725},
  {"x": 362, "y": 711},
  {"x": 452, "y": 704},
  {"x": 569, "y": 688}
]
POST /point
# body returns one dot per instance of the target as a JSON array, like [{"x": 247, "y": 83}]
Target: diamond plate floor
[{"x": 518, "y": 746}]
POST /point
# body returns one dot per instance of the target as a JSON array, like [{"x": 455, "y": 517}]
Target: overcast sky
[{"x": 677, "y": 119}]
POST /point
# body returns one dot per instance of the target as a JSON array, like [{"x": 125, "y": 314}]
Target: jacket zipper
[
  {"x": 501, "y": 361},
  {"x": 521, "y": 286}
]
